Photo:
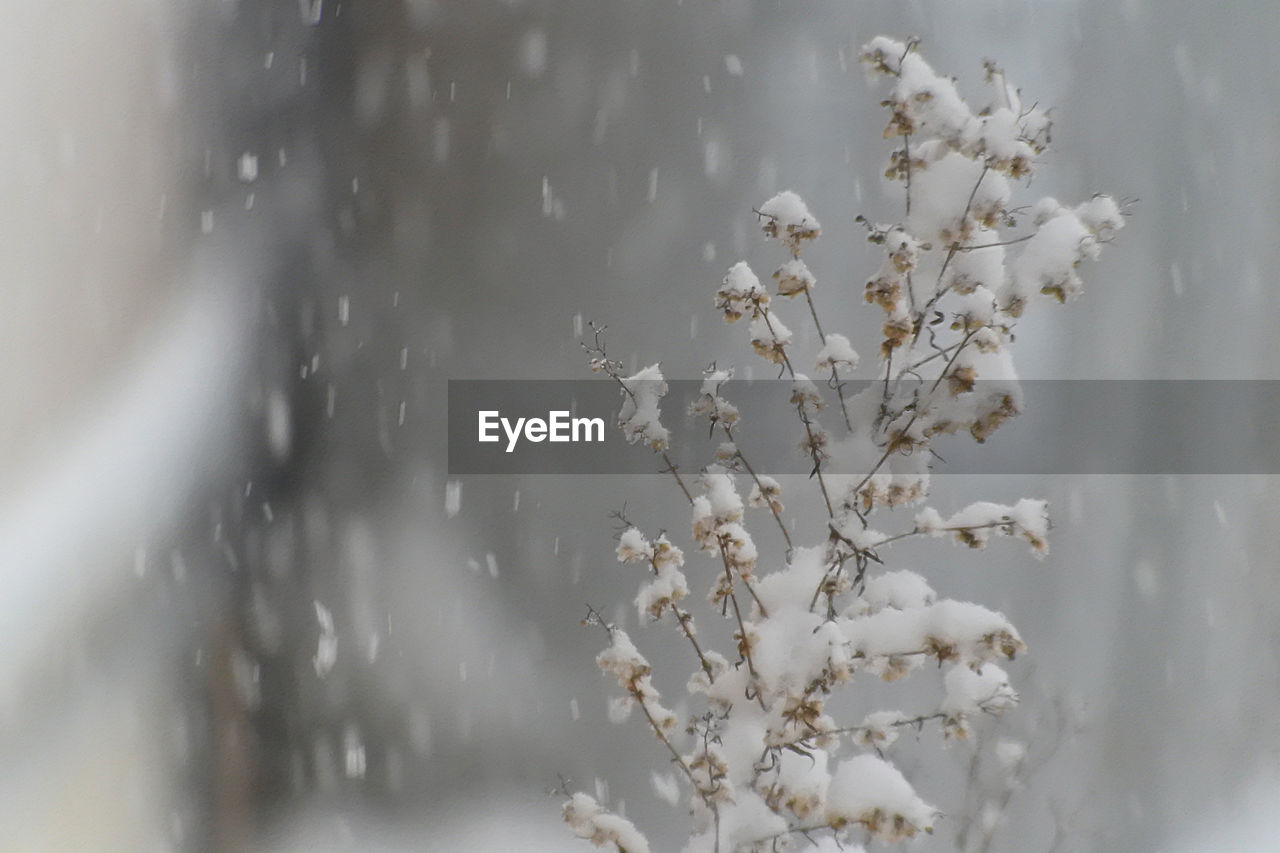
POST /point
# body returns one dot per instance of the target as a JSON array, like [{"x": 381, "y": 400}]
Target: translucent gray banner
[{"x": 1064, "y": 427}]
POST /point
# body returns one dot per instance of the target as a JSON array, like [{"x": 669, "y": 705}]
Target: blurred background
[{"x": 245, "y": 243}]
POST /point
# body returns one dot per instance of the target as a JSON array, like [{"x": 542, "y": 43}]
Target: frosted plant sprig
[
  {"x": 770, "y": 340},
  {"x": 668, "y": 587},
  {"x": 730, "y": 540},
  {"x": 766, "y": 492},
  {"x": 786, "y": 218},
  {"x": 599, "y": 362},
  {"x": 588, "y": 819},
  {"x": 765, "y": 764},
  {"x": 621, "y": 659}
]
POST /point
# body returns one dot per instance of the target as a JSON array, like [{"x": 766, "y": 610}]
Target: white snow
[
  {"x": 327, "y": 644},
  {"x": 767, "y": 493},
  {"x": 633, "y": 546},
  {"x": 972, "y": 691},
  {"x": 639, "y": 415},
  {"x": 666, "y": 787},
  {"x": 879, "y": 729},
  {"x": 770, "y": 337},
  {"x": 947, "y": 630},
  {"x": 836, "y": 353},
  {"x": 588, "y": 819},
  {"x": 667, "y": 587},
  {"x": 901, "y": 590},
  {"x": 794, "y": 278},
  {"x": 247, "y": 167},
  {"x": 787, "y": 218},
  {"x": 452, "y": 498},
  {"x": 740, "y": 292},
  {"x": 532, "y": 52},
  {"x": 872, "y": 792}
]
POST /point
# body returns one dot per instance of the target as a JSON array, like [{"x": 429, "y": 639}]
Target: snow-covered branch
[{"x": 764, "y": 764}]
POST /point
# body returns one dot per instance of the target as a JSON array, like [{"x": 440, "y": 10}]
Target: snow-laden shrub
[{"x": 763, "y": 766}]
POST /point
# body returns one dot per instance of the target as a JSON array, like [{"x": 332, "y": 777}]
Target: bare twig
[{"x": 728, "y": 431}]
